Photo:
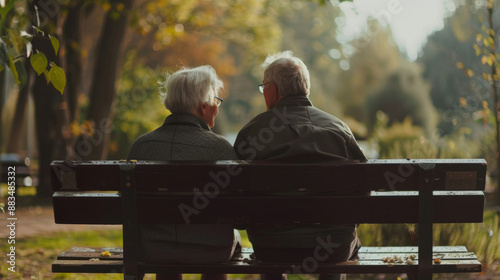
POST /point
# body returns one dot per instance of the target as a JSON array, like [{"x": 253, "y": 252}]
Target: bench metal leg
[{"x": 425, "y": 219}]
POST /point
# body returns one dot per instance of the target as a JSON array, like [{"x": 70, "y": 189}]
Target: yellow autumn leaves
[
  {"x": 468, "y": 72},
  {"x": 86, "y": 128},
  {"x": 484, "y": 47}
]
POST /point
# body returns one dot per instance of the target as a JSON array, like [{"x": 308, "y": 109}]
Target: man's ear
[
  {"x": 203, "y": 108},
  {"x": 273, "y": 89},
  {"x": 271, "y": 97},
  {"x": 200, "y": 110}
]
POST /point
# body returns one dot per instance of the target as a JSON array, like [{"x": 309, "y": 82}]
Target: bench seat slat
[
  {"x": 240, "y": 267},
  {"x": 362, "y": 256},
  {"x": 86, "y": 266},
  {"x": 363, "y": 249},
  {"x": 411, "y": 249},
  {"x": 78, "y": 260},
  {"x": 365, "y": 253}
]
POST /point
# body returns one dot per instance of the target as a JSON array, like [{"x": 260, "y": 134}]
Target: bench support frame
[{"x": 425, "y": 214}]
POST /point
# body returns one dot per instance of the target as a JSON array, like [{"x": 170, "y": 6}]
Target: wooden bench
[{"x": 378, "y": 191}]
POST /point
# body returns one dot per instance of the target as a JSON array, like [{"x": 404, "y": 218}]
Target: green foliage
[
  {"x": 405, "y": 140},
  {"x": 39, "y": 62},
  {"x": 402, "y": 95},
  {"x": 401, "y": 140},
  {"x": 373, "y": 57},
  {"x": 483, "y": 238},
  {"x": 5, "y": 9},
  {"x": 57, "y": 77},
  {"x": 55, "y": 43},
  {"x": 138, "y": 106},
  {"x": 249, "y": 26},
  {"x": 307, "y": 31},
  {"x": 15, "y": 45},
  {"x": 452, "y": 66}
]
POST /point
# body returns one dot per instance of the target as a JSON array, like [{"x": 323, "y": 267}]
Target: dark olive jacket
[{"x": 295, "y": 131}]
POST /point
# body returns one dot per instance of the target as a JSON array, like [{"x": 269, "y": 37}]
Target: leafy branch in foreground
[{"x": 15, "y": 45}]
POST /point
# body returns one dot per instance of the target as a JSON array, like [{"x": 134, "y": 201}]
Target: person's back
[
  {"x": 192, "y": 97},
  {"x": 296, "y": 130},
  {"x": 292, "y": 130},
  {"x": 183, "y": 136}
]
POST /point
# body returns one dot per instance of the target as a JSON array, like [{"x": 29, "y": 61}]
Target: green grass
[
  {"x": 476, "y": 237},
  {"x": 34, "y": 256}
]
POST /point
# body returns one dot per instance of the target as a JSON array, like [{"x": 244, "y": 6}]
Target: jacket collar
[
  {"x": 294, "y": 100},
  {"x": 187, "y": 119}
]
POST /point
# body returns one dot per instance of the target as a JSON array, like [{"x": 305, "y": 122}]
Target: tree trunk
[
  {"x": 19, "y": 121},
  {"x": 72, "y": 62},
  {"x": 2, "y": 96},
  {"x": 496, "y": 104},
  {"x": 48, "y": 102},
  {"x": 102, "y": 91}
]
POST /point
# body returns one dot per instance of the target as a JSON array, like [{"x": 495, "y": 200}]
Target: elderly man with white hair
[
  {"x": 293, "y": 130},
  {"x": 192, "y": 97}
]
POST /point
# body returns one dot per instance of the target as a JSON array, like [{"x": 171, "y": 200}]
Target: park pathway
[{"x": 37, "y": 221}]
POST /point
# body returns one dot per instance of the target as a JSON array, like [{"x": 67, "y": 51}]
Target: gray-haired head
[
  {"x": 288, "y": 72},
  {"x": 188, "y": 88}
]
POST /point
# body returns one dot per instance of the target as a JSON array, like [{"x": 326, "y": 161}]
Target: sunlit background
[{"x": 412, "y": 78}]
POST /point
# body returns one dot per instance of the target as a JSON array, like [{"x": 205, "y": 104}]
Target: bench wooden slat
[
  {"x": 362, "y": 256},
  {"x": 271, "y": 177},
  {"x": 102, "y": 208},
  {"x": 365, "y": 253},
  {"x": 77, "y": 260},
  {"x": 441, "y": 256},
  {"x": 363, "y": 249},
  {"x": 116, "y": 250},
  {"x": 86, "y": 266},
  {"x": 411, "y": 249}
]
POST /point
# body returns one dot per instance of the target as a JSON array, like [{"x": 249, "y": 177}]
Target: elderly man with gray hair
[
  {"x": 192, "y": 97},
  {"x": 293, "y": 130}
]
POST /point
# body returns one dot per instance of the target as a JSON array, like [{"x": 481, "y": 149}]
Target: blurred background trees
[{"x": 436, "y": 104}]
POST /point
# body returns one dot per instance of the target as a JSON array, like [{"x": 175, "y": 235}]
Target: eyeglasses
[
  {"x": 218, "y": 100},
  {"x": 261, "y": 87}
]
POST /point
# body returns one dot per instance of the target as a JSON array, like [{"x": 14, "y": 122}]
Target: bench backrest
[{"x": 240, "y": 192}]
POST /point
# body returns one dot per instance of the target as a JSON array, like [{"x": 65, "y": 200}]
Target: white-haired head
[
  {"x": 288, "y": 72},
  {"x": 188, "y": 88}
]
